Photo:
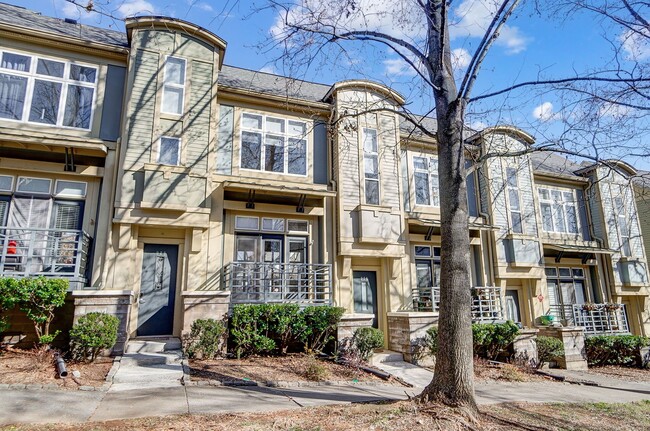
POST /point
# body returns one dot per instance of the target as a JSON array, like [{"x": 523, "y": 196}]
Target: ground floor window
[
  {"x": 566, "y": 286},
  {"x": 427, "y": 272}
]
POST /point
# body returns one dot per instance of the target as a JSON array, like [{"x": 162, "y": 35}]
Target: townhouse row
[{"x": 168, "y": 186}]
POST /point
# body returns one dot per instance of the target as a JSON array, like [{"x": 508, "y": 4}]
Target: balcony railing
[
  {"x": 487, "y": 305},
  {"x": 601, "y": 318},
  {"x": 26, "y": 252},
  {"x": 304, "y": 284}
]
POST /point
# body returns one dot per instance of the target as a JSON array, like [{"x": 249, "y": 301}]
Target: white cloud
[
  {"x": 70, "y": 10},
  {"x": 460, "y": 58},
  {"x": 544, "y": 112},
  {"x": 206, "y": 7},
  {"x": 636, "y": 44},
  {"x": 135, "y": 7},
  {"x": 269, "y": 68},
  {"x": 473, "y": 18},
  {"x": 398, "y": 67}
]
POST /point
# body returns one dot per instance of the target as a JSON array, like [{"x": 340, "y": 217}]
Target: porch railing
[
  {"x": 486, "y": 302},
  {"x": 26, "y": 252},
  {"x": 601, "y": 318},
  {"x": 304, "y": 284}
]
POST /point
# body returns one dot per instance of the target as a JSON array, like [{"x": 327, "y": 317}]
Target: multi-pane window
[
  {"x": 170, "y": 151},
  {"x": 173, "y": 97},
  {"x": 559, "y": 210},
  {"x": 46, "y": 91},
  {"x": 566, "y": 286},
  {"x": 273, "y": 144},
  {"x": 427, "y": 266},
  {"x": 371, "y": 166},
  {"x": 623, "y": 227},
  {"x": 514, "y": 201},
  {"x": 425, "y": 173}
]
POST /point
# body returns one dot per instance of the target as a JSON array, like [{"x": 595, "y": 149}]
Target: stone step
[
  {"x": 383, "y": 356},
  {"x": 171, "y": 357},
  {"x": 150, "y": 375},
  {"x": 153, "y": 345}
]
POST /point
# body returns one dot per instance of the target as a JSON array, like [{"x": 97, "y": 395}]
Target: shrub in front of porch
[
  {"x": 490, "y": 339},
  {"x": 274, "y": 328},
  {"x": 548, "y": 349},
  {"x": 615, "y": 349},
  {"x": 9, "y": 297},
  {"x": 206, "y": 339},
  {"x": 93, "y": 333}
]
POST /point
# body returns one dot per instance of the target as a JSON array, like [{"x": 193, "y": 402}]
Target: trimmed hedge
[
  {"x": 205, "y": 340},
  {"x": 92, "y": 333},
  {"x": 548, "y": 349},
  {"x": 489, "y": 339},
  {"x": 366, "y": 340},
  {"x": 273, "y": 328},
  {"x": 615, "y": 349}
]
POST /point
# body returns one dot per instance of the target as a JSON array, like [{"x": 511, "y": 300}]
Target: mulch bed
[
  {"x": 485, "y": 371},
  {"x": 629, "y": 374},
  {"x": 290, "y": 368},
  {"x": 37, "y": 367}
]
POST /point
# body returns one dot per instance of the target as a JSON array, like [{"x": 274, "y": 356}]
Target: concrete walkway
[{"x": 125, "y": 400}]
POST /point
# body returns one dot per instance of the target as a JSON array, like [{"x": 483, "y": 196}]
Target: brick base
[
  {"x": 407, "y": 332},
  {"x": 575, "y": 355}
]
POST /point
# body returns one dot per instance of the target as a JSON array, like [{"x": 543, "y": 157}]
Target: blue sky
[{"x": 532, "y": 45}]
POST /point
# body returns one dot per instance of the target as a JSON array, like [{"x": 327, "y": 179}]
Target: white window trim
[
  {"x": 564, "y": 204},
  {"x": 173, "y": 85},
  {"x": 508, "y": 187},
  {"x": 284, "y": 224},
  {"x": 434, "y": 198},
  {"x": 363, "y": 164},
  {"x": 178, "y": 151},
  {"x": 247, "y": 229},
  {"x": 13, "y": 183},
  {"x": 298, "y": 221},
  {"x": 65, "y": 81},
  {"x": 285, "y": 136},
  {"x": 623, "y": 195},
  {"x": 63, "y": 195}
]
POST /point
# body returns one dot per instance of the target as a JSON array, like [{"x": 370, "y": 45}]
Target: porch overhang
[
  {"x": 274, "y": 189},
  {"x": 580, "y": 249}
]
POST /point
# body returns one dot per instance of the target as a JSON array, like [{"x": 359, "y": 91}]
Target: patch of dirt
[
  {"x": 37, "y": 367},
  {"x": 485, "y": 371},
  {"x": 629, "y": 374},
  {"x": 290, "y": 368},
  {"x": 398, "y": 416}
]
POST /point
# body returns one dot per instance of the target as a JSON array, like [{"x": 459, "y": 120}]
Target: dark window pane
[
  {"x": 83, "y": 73},
  {"x": 516, "y": 223},
  {"x": 50, "y": 68},
  {"x": 297, "y": 157},
  {"x": 12, "y": 96},
  {"x": 251, "y": 150},
  {"x": 372, "y": 192},
  {"x": 78, "y": 107},
  {"x": 422, "y": 196},
  {"x": 169, "y": 151},
  {"x": 45, "y": 102},
  {"x": 274, "y": 154},
  {"x": 16, "y": 62}
]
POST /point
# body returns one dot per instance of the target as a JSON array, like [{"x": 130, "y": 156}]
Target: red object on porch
[{"x": 11, "y": 247}]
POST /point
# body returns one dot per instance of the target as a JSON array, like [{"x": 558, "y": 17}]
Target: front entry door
[
  {"x": 365, "y": 293},
  {"x": 157, "y": 290}
]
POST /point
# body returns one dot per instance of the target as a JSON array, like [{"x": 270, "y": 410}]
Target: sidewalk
[{"x": 123, "y": 401}]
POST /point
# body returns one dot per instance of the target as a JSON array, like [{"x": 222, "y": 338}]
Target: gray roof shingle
[
  {"x": 20, "y": 17},
  {"x": 552, "y": 163}
]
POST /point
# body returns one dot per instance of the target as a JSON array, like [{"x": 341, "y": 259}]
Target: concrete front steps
[
  {"x": 150, "y": 363},
  {"x": 394, "y": 364}
]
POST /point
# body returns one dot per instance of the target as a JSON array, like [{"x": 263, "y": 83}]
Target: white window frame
[
  {"x": 178, "y": 150},
  {"x": 286, "y": 137},
  {"x": 623, "y": 220},
  {"x": 22, "y": 192},
  {"x": 512, "y": 190},
  {"x": 305, "y": 222},
  {"x": 84, "y": 188},
  {"x": 433, "y": 182},
  {"x": 65, "y": 82},
  {"x": 173, "y": 85},
  {"x": 273, "y": 221},
  {"x": 367, "y": 154},
  {"x": 239, "y": 217},
  {"x": 11, "y": 185},
  {"x": 562, "y": 206}
]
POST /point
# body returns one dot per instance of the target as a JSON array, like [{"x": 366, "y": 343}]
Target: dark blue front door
[{"x": 157, "y": 290}]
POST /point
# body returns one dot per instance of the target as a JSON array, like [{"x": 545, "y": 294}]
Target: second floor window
[
  {"x": 514, "y": 201},
  {"x": 426, "y": 181},
  {"x": 622, "y": 217},
  {"x": 371, "y": 166},
  {"x": 170, "y": 151},
  {"x": 46, "y": 91},
  {"x": 559, "y": 210},
  {"x": 173, "y": 97},
  {"x": 273, "y": 144}
]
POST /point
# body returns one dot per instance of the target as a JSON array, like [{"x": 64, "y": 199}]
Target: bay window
[
  {"x": 559, "y": 210},
  {"x": 46, "y": 91},
  {"x": 273, "y": 144},
  {"x": 425, "y": 174}
]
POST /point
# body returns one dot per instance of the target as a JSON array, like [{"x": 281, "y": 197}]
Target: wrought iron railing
[
  {"x": 26, "y": 252},
  {"x": 486, "y": 302},
  {"x": 601, "y": 318},
  {"x": 304, "y": 284}
]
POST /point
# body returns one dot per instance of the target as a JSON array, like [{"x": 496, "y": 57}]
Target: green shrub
[
  {"x": 548, "y": 349},
  {"x": 365, "y": 340},
  {"x": 38, "y": 298},
  {"x": 273, "y": 328},
  {"x": 319, "y": 326},
  {"x": 205, "y": 340},
  {"x": 615, "y": 349},
  {"x": 92, "y": 333},
  {"x": 315, "y": 371},
  {"x": 9, "y": 297},
  {"x": 431, "y": 340},
  {"x": 490, "y": 339}
]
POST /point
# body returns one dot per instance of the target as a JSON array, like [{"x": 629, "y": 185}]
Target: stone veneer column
[
  {"x": 350, "y": 323},
  {"x": 407, "y": 332},
  {"x": 573, "y": 338},
  {"x": 204, "y": 304},
  {"x": 114, "y": 302},
  {"x": 525, "y": 346}
]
